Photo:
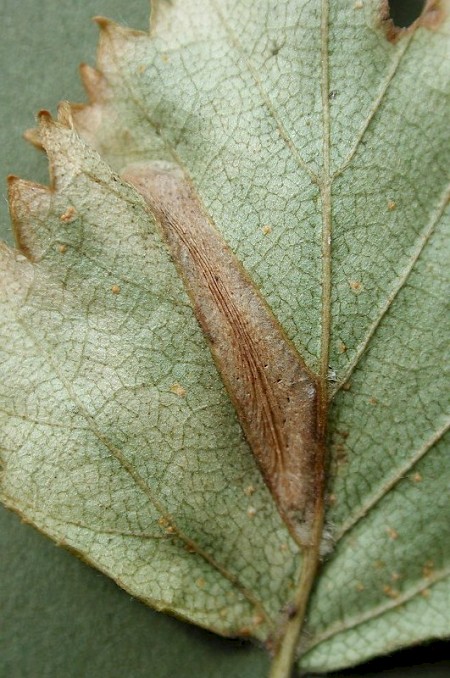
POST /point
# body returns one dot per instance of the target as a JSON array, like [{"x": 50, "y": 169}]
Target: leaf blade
[{"x": 368, "y": 312}]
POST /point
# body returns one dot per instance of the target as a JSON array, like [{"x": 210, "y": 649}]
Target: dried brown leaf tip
[
  {"x": 274, "y": 394},
  {"x": 431, "y": 17}
]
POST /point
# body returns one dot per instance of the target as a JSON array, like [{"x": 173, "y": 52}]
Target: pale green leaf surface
[
  {"x": 233, "y": 91},
  {"x": 95, "y": 380}
]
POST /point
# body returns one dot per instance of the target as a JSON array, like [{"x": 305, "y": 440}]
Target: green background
[{"x": 58, "y": 616}]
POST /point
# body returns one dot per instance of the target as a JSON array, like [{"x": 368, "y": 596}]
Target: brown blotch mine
[
  {"x": 274, "y": 394},
  {"x": 432, "y": 16}
]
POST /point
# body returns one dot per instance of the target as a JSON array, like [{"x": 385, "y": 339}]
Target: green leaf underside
[{"x": 159, "y": 489}]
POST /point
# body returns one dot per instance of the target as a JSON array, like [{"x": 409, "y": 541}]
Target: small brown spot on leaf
[
  {"x": 69, "y": 215},
  {"x": 392, "y": 534},
  {"x": 284, "y": 548},
  {"x": 178, "y": 390},
  {"x": 342, "y": 347},
  {"x": 391, "y": 205},
  {"x": 379, "y": 564},
  {"x": 249, "y": 490},
  {"x": 355, "y": 286},
  {"x": 142, "y": 68},
  {"x": 266, "y": 229},
  {"x": 62, "y": 248},
  {"x": 395, "y": 576},
  {"x": 428, "y": 569},
  {"x": 359, "y": 586},
  {"x": 358, "y": 4},
  {"x": 425, "y": 593},
  {"x": 170, "y": 529},
  {"x": 390, "y": 592},
  {"x": 245, "y": 631},
  {"x": 257, "y": 620},
  {"x": 201, "y": 583},
  {"x": 373, "y": 401},
  {"x": 331, "y": 499},
  {"x": 251, "y": 512},
  {"x": 165, "y": 57},
  {"x": 340, "y": 454},
  {"x": 416, "y": 477},
  {"x": 347, "y": 386},
  {"x": 115, "y": 289}
]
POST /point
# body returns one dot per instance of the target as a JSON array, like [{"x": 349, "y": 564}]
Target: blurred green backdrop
[{"x": 59, "y": 618}]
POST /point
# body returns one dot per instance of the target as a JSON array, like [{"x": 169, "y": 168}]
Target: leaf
[{"x": 119, "y": 438}]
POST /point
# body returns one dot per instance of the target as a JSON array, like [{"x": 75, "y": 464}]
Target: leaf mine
[
  {"x": 307, "y": 233},
  {"x": 274, "y": 394}
]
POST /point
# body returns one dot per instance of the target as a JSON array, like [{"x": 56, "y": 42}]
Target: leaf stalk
[{"x": 286, "y": 652}]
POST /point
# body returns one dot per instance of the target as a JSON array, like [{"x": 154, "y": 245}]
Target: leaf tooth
[
  {"x": 112, "y": 43},
  {"x": 46, "y": 125},
  {"x": 28, "y": 202},
  {"x": 65, "y": 150},
  {"x": 113, "y": 29},
  {"x": 32, "y": 136},
  {"x": 94, "y": 83},
  {"x": 97, "y": 81},
  {"x": 102, "y": 22}
]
